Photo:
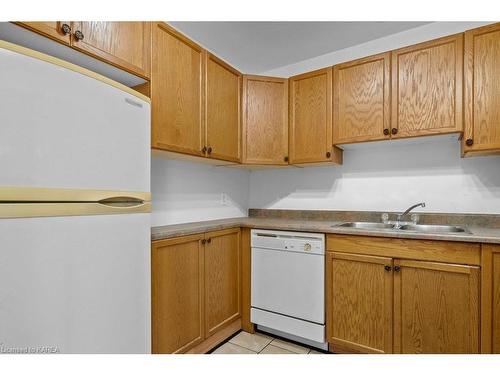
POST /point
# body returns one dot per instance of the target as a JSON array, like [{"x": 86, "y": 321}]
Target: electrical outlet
[{"x": 224, "y": 199}]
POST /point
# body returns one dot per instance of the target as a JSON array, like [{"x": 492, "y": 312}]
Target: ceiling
[{"x": 256, "y": 47}]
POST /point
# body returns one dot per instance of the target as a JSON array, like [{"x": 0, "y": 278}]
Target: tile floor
[{"x": 260, "y": 343}]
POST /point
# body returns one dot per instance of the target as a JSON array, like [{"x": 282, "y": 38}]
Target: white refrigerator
[{"x": 74, "y": 209}]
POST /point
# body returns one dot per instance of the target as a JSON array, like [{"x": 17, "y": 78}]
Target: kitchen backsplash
[{"x": 387, "y": 176}]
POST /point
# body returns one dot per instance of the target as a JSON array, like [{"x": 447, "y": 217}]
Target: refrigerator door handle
[
  {"x": 37, "y": 209},
  {"x": 121, "y": 201},
  {"x": 14, "y": 194}
]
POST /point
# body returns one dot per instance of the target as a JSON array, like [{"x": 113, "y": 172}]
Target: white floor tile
[
  {"x": 229, "y": 348},
  {"x": 255, "y": 342}
]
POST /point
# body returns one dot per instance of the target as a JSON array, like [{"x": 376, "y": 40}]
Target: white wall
[
  {"x": 185, "y": 192},
  {"x": 387, "y": 176},
  {"x": 413, "y": 36}
]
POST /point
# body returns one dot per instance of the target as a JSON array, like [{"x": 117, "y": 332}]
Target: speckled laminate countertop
[{"x": 478, "y": 234}]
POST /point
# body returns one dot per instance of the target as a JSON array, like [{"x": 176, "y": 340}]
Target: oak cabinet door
[
  {"x": 222, "y": 279},
  {"x": 177, "y": 294},
  {"x": 427, "y": 88},
  {"x": 490, "y": 299},
  {"x": 124, "y": 44},
  {"x": 57, "y": 30},
  {"x": 177, "y": 86},
  {"x": 223, "y": 94},
  {"x": 265, "y": 120},
  {"x": 311, "y": 117},
  {"x": 359, "y": 303},
  {"x": 361, "y": 100},
  {"x": 436, "y": 308},
  {"x": 482, "y": 90}
]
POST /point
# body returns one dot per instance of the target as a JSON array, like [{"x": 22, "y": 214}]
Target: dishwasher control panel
[{"x": 312, "y": 243}]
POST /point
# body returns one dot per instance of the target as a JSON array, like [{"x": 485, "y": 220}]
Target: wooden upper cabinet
[
  {"x": 222, "y": 279},
  {"x": 177, "y": 92},
  {"x": 57, "y": 30},
  {"x": 126, "y": 45},
  {"x": 123, "y": 44},
  {"x": 482, "y": 90},
  {"x": 427, "y": 88},
  {"x": 361, "y": 100},
  {"x": 177, "y": 294},
  {"x": 265, "y": 120},
  {"x": 436, "y": 308},
  {"x": 359, "y": 303},
  {"x": 222, "y": 108},
  {"x": 310, "y": 118}
]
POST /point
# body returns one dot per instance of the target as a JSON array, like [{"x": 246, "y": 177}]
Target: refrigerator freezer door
[
  {"x": 64, "y": 129},
  {"x": 79, "y": 284}
]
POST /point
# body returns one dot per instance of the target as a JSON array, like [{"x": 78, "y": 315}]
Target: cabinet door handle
[
  {"x": 78, "y": 35},
  {"x": 203, "y": 241},
  {"x": 386, "y": 132},
  {"x": 209, "y": 240},
  {"x": 204, "y": 150},
  {"x": 469, "y": 142},
  {"x": 65, "y": 29},
  {"x": 328, "y": 154},
  {"x": 209, "y": 150},
  {"x": 285, "y": 158},
  {"x": 394, "y": 131},
  {"x": 387, "y": 268},
  {"x": 397, "y": 268}
]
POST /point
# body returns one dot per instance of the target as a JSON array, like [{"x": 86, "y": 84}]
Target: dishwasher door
[{"x": 288, "y": 283}]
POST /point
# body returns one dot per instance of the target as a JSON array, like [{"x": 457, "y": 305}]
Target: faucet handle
[{"x": 385, "y": 217}]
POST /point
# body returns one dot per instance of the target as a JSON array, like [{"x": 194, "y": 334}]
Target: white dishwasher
[{"x": 288, "y": 285}]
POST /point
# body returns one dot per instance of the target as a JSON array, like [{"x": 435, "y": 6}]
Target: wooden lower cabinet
[
  {"x": 222, "y": 279},
  {"x": 436, "y": 307},
  {"x": 490, "y": 299},
  {"x": 359, "y": 303},
  {"x": 388, "y": 304},
  {"x": 196, "y": 291},
  {"x": 177, "y": 294}
]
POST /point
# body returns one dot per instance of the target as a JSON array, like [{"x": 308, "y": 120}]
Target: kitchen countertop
[{"x": 478, "y": 233}]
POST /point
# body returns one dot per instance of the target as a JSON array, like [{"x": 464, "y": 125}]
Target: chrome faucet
[{"x": 403, "y": 214}]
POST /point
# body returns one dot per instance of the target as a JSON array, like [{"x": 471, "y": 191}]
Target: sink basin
[
  {"x": 420, "y": 228},
  {"x": 365, "y": 225},
  {"x": 433, "y": 228}
]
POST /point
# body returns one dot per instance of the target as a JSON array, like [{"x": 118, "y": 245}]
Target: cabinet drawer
[{"x": 440, "y": 251}]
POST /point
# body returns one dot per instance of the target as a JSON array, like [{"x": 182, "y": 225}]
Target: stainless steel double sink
[{"x": 418, "y": 228}]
